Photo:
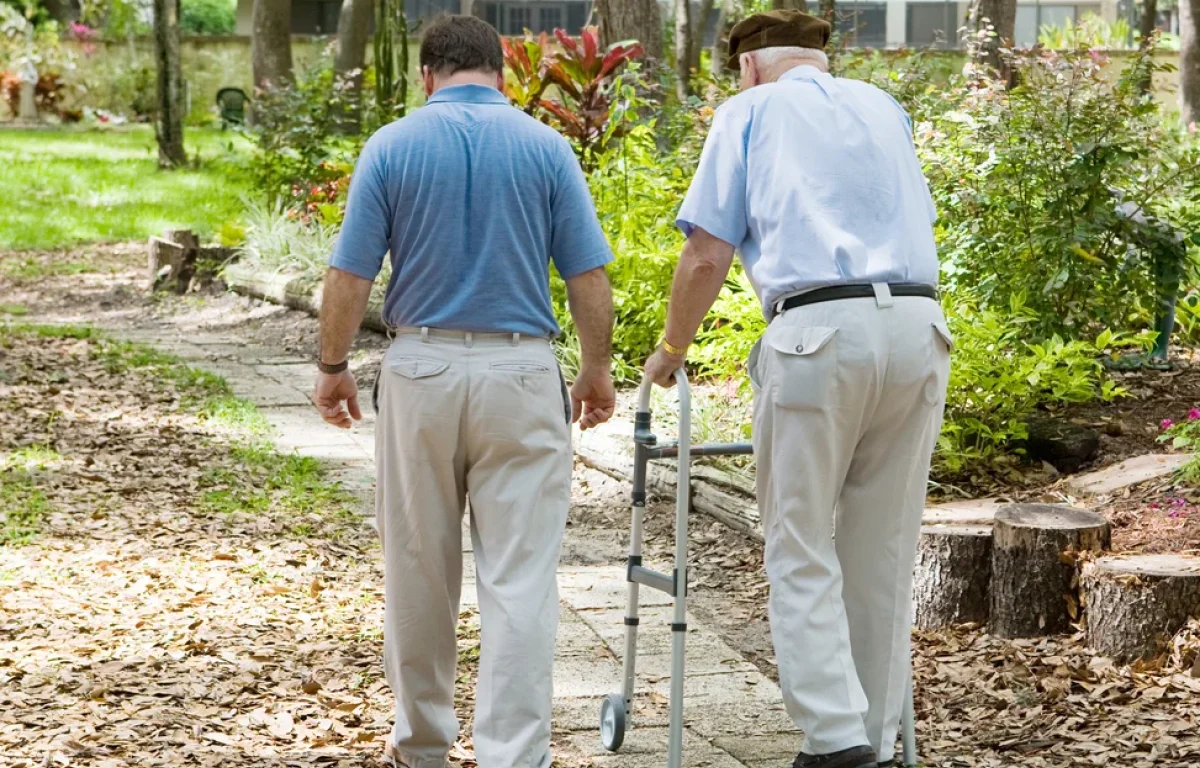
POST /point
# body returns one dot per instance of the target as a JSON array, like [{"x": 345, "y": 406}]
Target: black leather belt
[{"x": 839, "y": 292}]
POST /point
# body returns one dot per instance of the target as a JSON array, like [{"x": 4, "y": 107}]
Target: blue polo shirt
[{"x": 473, "y": 199}]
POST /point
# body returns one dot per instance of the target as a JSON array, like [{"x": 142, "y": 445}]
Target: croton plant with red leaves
[{"x": 582, "y": 76}]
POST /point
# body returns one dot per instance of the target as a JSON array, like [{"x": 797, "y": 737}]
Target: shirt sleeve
[
  {"x": 716, "y": 199},
  {"x": 367, "y": 225},
  {"x": 577, "y": 243}
]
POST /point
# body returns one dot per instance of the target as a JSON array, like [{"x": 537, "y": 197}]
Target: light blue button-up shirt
[
  {"x": 815, "y": 181},
  {"x": 474, "y": 199}
]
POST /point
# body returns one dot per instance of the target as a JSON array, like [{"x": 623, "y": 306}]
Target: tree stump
[
  {"x": 1136, "y": 601},
  {"x": 171, "y": 261},
  {"x": 1035, "y": 579},
  {"x": 952, "y": 578}
]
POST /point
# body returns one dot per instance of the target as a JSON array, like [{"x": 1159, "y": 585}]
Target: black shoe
[{"x": 855, "y": 757}]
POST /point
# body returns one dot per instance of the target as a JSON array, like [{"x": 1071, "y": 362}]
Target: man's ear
[
  {"x": 500, "y": 81},
  {"x": 427, "y": 80}
]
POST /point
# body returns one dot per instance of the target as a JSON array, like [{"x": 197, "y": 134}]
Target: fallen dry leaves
[{"x": 139, "y": 629}]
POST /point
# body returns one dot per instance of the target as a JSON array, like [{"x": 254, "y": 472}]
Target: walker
[{"x": 616, "y": 708}]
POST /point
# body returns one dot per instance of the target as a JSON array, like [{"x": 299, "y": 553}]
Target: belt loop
[
  {"x": 470, "y": 338},
  {"x": 883, "y": 295},
  {"x": 516, "y": 339},
  {"x": 424, "y": 334}
]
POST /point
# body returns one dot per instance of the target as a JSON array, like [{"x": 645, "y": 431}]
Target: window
[
  {"x": 549, "y": 19},
  {"x": 577, "y": 16},
  {"x": 519, "y": 19},
  {"x": 1031, "y": 19},
  {"x": 863, "y": 25},
  {"x": 934, "y": 24}
]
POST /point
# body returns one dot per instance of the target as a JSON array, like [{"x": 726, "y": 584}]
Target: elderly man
[
  {"x": 814, "y": 180},
  {"x": 473, "y": 199}
]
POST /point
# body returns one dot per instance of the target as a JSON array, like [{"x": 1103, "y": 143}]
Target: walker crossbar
[{"x": 616, "y": 710}]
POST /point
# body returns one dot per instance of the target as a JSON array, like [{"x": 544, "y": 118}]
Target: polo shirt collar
[
  {"x": 468, "y": 93},
  {"x": 803, "y": 72}
]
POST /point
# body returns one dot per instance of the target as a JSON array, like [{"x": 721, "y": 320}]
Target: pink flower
[
  {"x": 1194, "y": 414},
  {"x": 1154, "y": 505},
  {"x": 1177, "y": 513},
  {"x": 1166, "y": 424}
]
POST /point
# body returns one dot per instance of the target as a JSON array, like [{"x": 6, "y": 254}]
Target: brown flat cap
[{"x": 776, "y": 28}]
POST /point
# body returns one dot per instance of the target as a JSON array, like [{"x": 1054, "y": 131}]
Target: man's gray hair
[{"x": 769, "y": 57}]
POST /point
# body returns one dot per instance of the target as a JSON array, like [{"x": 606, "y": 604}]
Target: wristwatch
[{"x": 324, "y": 367}]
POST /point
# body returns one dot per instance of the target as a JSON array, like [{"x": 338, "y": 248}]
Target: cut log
[
  {"x": 1135, "y": 602},
  {"x": 1035, "y": 577},
  {"x": 171, "y": 260},
  {"x": 952, "y": 577}
]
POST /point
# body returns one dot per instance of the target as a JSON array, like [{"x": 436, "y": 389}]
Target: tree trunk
[
  {"x": 1035, "y": 581},
  {"x": 1147, "y": 26},
  {"x": 467, "y": 8},
  {"x": 683, "y": 48},
  {"x": 1189, "y": 61},
  {"x": 271, "y": 44},
  {"x": 1001, "y": 16},
  {"x": 795, "y": 5},
  {"x": 354, "y": 29},
  {"x": 699, "y": 30},
  {"x": 168, "y": 124},
  {"x": 952, "y": 578},
  {"x": 639, "y": 20},
  {"x": 829, "y": 12},
  {"x": 1135, "y": 602},
  {"x": 720, "y": 46}
]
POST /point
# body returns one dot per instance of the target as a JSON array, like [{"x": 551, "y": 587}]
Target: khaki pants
[
  {"x": 483, "y": 416},
  {"x": 848, "y": 405}
]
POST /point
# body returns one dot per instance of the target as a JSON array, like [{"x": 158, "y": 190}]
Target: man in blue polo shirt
[{"x": 473, "y": 199}]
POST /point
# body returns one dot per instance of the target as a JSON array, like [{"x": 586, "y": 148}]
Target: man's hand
[
  {"x": 592, "y": 398},
  {"x": 661, "y": 367},
  {"x": 332, "y": 390}
]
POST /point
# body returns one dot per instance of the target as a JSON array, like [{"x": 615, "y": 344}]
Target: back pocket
[{"x": 802, "y": 367}]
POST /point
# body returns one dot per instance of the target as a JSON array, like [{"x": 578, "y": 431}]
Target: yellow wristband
[{"x": 671, "y": 349}]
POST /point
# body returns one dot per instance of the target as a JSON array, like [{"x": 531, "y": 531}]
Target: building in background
[
  {"x": 511, "y": 17},
  {"x": 884, "y": 24}
]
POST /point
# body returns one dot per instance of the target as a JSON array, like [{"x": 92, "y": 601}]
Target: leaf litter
[{"x": 141, "y": 626}]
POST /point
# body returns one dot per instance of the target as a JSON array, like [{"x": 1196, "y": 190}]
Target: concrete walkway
[{"x": 733, "y": 713}]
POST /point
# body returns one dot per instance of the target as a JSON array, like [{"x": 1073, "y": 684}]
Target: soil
[{"x": 980, "y": 701}]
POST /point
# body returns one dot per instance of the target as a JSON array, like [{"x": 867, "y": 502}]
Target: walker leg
[
  {"x": 908, "y": 728},
  {"x": 616, "y": 710},
  {"x": 679, "y": 620}
]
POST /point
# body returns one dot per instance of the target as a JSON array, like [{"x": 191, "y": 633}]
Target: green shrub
[
  {"x": 1027, "y": 183},
  {"x": 999, "y": 378},
  {"x": 207, "y": 17}
]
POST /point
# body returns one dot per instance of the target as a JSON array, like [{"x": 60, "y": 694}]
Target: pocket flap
[
  {"x": 943, "y": 330},
  {"x": 417, "y": 368},
  {"x": 799, "y": 341}
]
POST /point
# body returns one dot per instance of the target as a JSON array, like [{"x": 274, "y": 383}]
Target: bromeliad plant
[{"x": 590, "y": 101}]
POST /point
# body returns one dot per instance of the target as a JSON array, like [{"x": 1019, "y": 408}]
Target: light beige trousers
[
  {"x": 484, "y": 416},
  {"x": 848, "y": 405}
]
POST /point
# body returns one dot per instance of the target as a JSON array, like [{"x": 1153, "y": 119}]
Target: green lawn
[{"x": 73, "y": 186}]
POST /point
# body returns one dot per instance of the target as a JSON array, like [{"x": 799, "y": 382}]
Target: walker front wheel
[{"x": 612, "y": 721}]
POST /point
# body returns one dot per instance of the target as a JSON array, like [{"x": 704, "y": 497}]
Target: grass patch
[
  {"x": 264, "y": 480},
  {"x": 22, "y": 507},
  {"x": 13, "y": 309},
  {"x": 105, "y": 186},
  {"x": 30, "y": 268},
  {"x": 235, "y": 414},
  {"x": 22, "y": 503}
]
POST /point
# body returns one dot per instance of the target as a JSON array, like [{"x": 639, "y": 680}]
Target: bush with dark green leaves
[{"x": 207, "y": 17}]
